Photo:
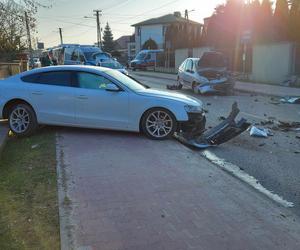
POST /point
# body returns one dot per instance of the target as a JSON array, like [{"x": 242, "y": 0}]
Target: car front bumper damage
[
  {"x": 193, "y": 132},
  {"x": 217, "y": 85}
]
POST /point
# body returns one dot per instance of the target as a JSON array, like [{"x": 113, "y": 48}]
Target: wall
[
  {"x": 272, "y": 63},
  {"x": 154, "y": 32},
  {"x": 180, "y": 56},
  {"x": 198, "y": 52}
]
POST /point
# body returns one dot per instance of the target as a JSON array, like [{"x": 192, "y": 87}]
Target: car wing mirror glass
[{"x": 112, "y": 87}]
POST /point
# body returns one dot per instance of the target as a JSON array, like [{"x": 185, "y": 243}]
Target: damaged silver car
[{"x": 206, "y": 74}]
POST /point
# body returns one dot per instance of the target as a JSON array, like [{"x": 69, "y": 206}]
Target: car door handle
[
  {"x": 82, "y": 97},
  {"x": 37, "y": 92}
]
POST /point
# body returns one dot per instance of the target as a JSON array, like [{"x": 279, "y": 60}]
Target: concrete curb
[
  {"x": 246, "y": 87},
  {"x": 3, "y": 135}
]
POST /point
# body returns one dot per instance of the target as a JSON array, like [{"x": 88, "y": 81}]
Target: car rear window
[{"x": 58, "y": 78}]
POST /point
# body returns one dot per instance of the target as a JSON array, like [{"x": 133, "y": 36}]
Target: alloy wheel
[
  {"x": 159, "y": 124},
  {"x": 19, "y": 120}
]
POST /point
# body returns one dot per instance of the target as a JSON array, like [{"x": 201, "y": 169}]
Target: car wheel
[
  {"x": 22, "y": 120},
  {"x": 159, "y": 124},
  {"x": 178, "y": 85},
  {"x": 195, "y": 88}
]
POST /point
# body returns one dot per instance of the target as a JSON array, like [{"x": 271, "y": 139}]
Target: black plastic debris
[
  {"x": 287, "y": 126},
  {"x": 225, "y": 131},
  {"x": 174, "y": 87}
]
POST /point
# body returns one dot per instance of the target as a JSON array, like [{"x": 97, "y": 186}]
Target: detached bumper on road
[{"x": 223, "y": 132}]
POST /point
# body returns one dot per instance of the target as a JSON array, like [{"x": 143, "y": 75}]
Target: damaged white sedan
[
  {"x": 95, "y": 97},
  {"x": 206, "y": 74}
]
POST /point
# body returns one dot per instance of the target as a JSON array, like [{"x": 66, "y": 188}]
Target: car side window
[
  {"x": 188, "y": 65},
  {"x": 58, "y": 78},
  {"x": 92, "y": 81},
  {"x": 74, "y": 55},
  {"x": 148, "y": 57},
  {"x": 182, "y": 66}
]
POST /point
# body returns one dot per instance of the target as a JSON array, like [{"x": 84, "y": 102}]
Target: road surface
[{"x": 274, "y": 161}]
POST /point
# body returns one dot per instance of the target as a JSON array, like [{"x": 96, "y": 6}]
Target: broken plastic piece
[
  {"x": 223, "y": 132},
  {"x": 254, "y": 131},
  {"x": 260, "y": 132},
  {"x": 291, "y": 100}
]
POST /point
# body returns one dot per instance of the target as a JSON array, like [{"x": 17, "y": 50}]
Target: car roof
[{"x": 92, "y": 69}]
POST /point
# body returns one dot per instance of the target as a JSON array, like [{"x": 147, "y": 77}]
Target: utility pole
[
  {"x": 98, "y": 13},
  {"x": 60, "y": 35},
  {"x": 28, "y": 37}
]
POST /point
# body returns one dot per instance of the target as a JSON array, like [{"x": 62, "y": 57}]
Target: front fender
[{"x": 136, "y": 110}]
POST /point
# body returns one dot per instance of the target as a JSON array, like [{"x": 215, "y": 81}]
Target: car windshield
[
  {"x": 127, "y": 81},
  {"x": 212, "y": 60},
  {"x": 112, "y": 65},
  {"x": 89, "y": 56},
  {"x": 141, "y": 56}
]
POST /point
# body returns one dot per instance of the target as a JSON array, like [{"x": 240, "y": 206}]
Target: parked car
[
  {"x": 75, "y": 54},
  {"x": 113, "y": 64},
  {"x": 36, "y": 62},
  {"x": 144, "y": 59},
  {"x": 206, "y": 74},
  {"x": 93, "y": 97}
]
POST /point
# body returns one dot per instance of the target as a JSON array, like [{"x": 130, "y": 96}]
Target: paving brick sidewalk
[
  {"x": 122, "y": 191},
  {"x": 258, "y": 88}
]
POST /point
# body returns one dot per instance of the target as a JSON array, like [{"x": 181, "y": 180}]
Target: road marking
[{"x": 242, "y": 175}]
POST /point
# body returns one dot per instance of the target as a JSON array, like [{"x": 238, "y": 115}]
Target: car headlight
[{"x": 193, "y": 109}]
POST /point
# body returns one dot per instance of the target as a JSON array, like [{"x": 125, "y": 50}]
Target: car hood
[
  {"x": 136, "y": 61},
  {"x": 171, "y": 96}
]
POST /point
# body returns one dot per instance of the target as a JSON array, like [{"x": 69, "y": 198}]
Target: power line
[{"x": 151, "y": 10}]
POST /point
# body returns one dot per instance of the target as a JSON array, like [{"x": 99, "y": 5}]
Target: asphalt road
[{"x": 273, "y": 161}]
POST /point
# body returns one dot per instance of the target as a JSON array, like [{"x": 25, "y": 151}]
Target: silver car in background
[{"x": 206, "y": 74}]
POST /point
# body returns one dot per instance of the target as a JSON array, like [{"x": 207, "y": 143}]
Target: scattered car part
[
  {"x": 291, "y": 100},
  {"x": 258, "y": 132},
  {"x": 220, "y": 134}
]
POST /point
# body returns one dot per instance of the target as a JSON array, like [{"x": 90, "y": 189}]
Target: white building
[{"x": 155, "y": 29}]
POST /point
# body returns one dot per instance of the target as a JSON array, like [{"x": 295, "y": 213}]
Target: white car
[{"x": 94, "y": 97}]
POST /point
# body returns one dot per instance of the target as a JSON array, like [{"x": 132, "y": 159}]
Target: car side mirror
[{"x": 112, "y": 88}]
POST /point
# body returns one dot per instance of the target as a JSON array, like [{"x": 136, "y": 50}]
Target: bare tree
[{"x": 12, "y": 28}]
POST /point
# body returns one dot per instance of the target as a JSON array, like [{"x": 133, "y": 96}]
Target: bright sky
[{"x": 121, "y": 14}]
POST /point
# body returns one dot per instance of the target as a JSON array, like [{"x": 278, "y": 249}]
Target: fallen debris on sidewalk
[{"x": 290, "y": 100}]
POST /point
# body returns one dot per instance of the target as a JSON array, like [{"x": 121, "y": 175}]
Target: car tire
[
  {"x": 159, "y": 124},
  {"x": 22, "y": 120},
  {"x": 195, "y": 88}
]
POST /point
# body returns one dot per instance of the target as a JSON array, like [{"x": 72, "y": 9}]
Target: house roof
[{"x": 166, "y": 19}]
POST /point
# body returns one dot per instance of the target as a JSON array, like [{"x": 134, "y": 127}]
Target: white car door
[
  {"x": 97, "y": 107},
  {"x": 52, "y": 96},
  {"x": 188, "y": 73}
]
